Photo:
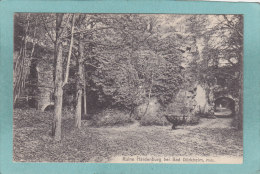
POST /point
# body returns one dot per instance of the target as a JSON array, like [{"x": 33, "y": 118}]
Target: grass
[{"x": 33, "y": 143}]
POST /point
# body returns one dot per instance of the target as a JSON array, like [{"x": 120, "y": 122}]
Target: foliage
[
  {"x": 194, "y": 120},
  {"x": 151, "y": 113},
  {"x": 131, "y": 58},
  {"x": 128, "y": 76},
  {"x": 111, "y": 117},
  {"x": 150, "y": 120},
  {"x": 223, "y": 52}
]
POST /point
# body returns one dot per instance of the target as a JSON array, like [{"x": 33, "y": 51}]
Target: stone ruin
[{"x": 45, "y": 85}]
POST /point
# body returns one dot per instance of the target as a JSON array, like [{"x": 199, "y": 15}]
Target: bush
[
  {"x": 149, "y": 120},
  {"x": 193, "y": 120},
  {"x": 111, "y": 117}
]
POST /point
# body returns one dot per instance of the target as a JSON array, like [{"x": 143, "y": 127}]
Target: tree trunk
[
  {"x": 240, "y": 103},
  {"x": 149, "y": 96},
  {"x": 58, "y": 93},
  {"x": 70, "y": 51},
  {"x": 58, "y": 81},
  {"x": 78, "y": 109},
  {"x": 85, "y": 93},
  {"x": 80, "y": 82}
]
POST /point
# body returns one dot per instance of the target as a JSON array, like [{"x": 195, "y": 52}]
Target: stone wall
[{"x": 45, "y": 84}]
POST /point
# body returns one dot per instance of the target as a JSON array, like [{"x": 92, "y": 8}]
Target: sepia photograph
[{"x": 128, "y": 88}]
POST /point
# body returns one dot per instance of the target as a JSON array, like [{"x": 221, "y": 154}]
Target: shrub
[
  {"x": 193, "y": 120},
  {"x": 149, "y": 120},
  {"x": 179, "y": 113},
  {"x": 111, "y": 117}
]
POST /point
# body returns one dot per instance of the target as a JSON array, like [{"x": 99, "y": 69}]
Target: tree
[
  {"x": 143, "y": 58},
  {"x": 55, "y": 26},
  {"x": 80, "y": 79},
  {"x": 58, "y": 80},
  {"x": 25, "y": 28}
]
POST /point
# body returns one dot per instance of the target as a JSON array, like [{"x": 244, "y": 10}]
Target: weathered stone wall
[
  {"x": 201, "y": 99},
  {"x": 219, "y": 92},
  {"x": 186, "y": 97},
  {"x": 45, "y": 84},
  {"x": 204, "y": 99}
]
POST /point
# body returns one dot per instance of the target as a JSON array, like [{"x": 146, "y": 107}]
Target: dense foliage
[{"x": 123, "y": 60}]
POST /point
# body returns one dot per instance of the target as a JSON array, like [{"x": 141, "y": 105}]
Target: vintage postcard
[{"x": 128, "y": 88}]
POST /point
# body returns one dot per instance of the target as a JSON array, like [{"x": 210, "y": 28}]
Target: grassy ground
[{"x": 32, "y": 140}]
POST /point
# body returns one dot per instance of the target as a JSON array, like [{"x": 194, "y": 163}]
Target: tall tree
[
  {"x": 80, "y": 82},
  {"x": 58, "y": 80}
]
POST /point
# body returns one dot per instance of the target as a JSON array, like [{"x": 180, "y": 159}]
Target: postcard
[
  {"x": 132, "y": 88},
  {"x": 90, "y": 87}
]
